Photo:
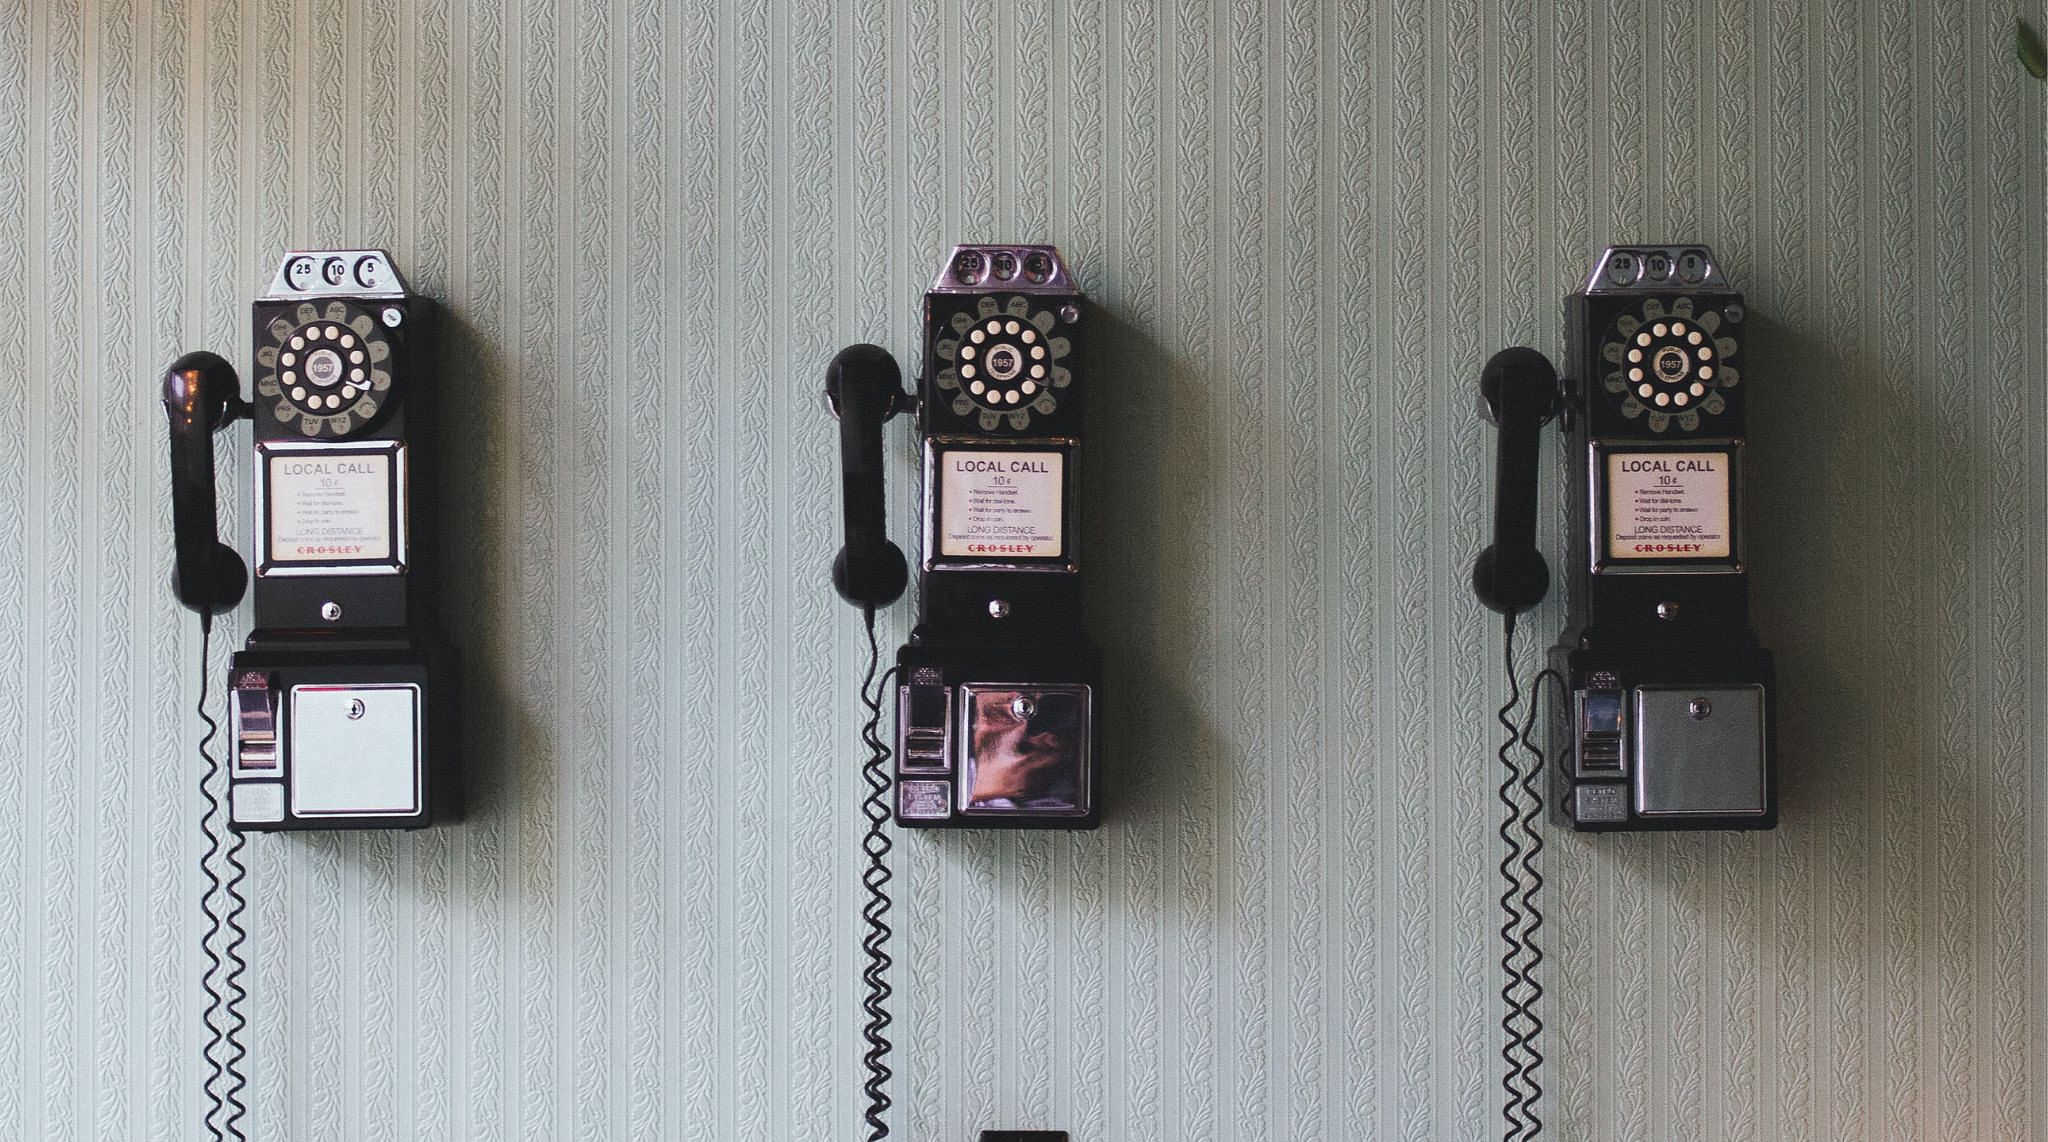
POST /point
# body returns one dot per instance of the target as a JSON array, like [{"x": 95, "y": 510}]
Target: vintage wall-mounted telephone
[
  {"x": 999, "y": 687},
  {"x": 341, "y": 705},
  {"x": 1667, "y": 696},
  {"x": 341, "y": 702},
  {"x": 998, "y": 691},
  {"x": 1669, "y": 692}
]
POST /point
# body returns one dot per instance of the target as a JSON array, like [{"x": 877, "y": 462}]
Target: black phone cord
[
  {"x": 1522, "y": 801},
  {"x": 874, "y": 878},
  {"x": 222, "y": 940}
]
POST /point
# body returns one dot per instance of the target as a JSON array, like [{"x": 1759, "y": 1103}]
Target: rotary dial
[
  {"x": 327, "y": 368},
  {"x": 1003, "y": 361},
  {"x": 1670, "y": 364}
]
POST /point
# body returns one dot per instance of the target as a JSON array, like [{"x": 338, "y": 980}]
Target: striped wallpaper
[{"x": 1308, "y": 222}]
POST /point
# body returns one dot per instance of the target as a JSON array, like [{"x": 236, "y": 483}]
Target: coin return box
[
  {"x": 924, "y": 711},
  {"x": 355, "y": 750},
  {"x": 1699, "y": 751},
  {"x": 1602, "y": 743}
]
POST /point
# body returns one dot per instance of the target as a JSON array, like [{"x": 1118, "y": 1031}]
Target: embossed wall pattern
[{"x": 1308, "y": 223}]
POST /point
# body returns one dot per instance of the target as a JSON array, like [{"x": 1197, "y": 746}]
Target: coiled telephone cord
[
  {"x": 875, "y": 878},
  {"x": 1521, "y": 917},
  {"x": 222, "y": 940}
]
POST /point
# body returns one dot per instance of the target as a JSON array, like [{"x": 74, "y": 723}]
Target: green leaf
[{"x": 2033, "y": 56}]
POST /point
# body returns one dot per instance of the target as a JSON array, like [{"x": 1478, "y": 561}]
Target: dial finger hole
[
  {"x": 1635, "y": 374},
  {"x": 1013, "y": 396},
  {"x": 1680, "y": 399},
  {"x": 1635, "y": 355},
  {"x": 977, "y": 336},
  {"x": 1642, "y": 338},
  {"x": 1645, "y": 390},
  {"x": 1693, "y": 337},
  {"x": 1678, "y": 329},
  {"x": 299, "y": 394},
  {"x": 967, "y": 370},
  {"x": 1706, "y": 372},
  {"x": 1706, "y": 353},
  {"x": 356, "y": 358},
  {"x": 1663, "y": 399},
  {"x": 995, "y": 325},
  {"x": 290, "y": 377},
  {"x": 1038, "y": 372},
  {"x": 967, "y": 352},
  {"x": 356, "y": 375},
  {"x": 287, "y": 358},
  {"x": 977, "y": 388},
  {"x": 298, "y": 342},
  {"x": 1010, "y": 327},
  {"x": 1660, "y": 329},
  {"x": 1699, "y": 390},
  {"x": 347, "y": 341},
  {"x": 1029, "y": 387},
  {"x": 1038, "y": 352},
  {"x": 1029, "y": 335}
]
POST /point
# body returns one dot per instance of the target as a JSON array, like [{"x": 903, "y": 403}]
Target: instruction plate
[
  {"x": 330, "y": 509},
  {"x": 999, "y": 504},
  {"x": 1670, "y": 505}
]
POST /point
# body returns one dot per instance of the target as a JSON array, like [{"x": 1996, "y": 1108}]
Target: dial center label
[
  {"x": 1669, "y": 505},
  {"x": 1001, "y": 504}
]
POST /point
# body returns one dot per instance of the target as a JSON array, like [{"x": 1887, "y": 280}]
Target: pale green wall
[{"x": 654, "y": 223}]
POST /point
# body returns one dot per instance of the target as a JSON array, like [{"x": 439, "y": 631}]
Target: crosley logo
[
  {"x": 1669, "y": 548},
  {"x": 331, "y": 549},
  {"x": 1000, "y": 548}
]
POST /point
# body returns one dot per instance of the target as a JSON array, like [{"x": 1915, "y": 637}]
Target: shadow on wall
[
  {"x": 474, "y": 557},
  {"x": 1831, "y": 434},
  {"x": 1148, "y": 574}
]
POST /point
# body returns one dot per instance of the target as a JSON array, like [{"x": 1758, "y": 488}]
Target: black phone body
[
  {"x": 999, "y": 688},
  {"x": 1669, "y": 712},
  {"x": 342, "y": 701}
]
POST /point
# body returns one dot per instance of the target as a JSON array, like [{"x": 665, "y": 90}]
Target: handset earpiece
[
  {"x": 201, "y": 396},
  {"x": 864, "y": 388},
  {"x": 1518, "y": 392}
]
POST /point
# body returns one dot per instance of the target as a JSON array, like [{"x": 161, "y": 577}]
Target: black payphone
[
  {"x": 340, "y": 709},
  {"x": 998, "y": 690},
  {"x": 997, "y": 694},
  {"x": 341, "y": 704},
  {"x": 1667, "y": 695}
]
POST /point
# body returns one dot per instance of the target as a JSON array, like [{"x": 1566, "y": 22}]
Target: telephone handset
[
  {"x": 864, "y": 388},
  {"x": 341, "y": 710},
  {"x": 1518, "y": 394},
  {"x": 201, "y": 397}
]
